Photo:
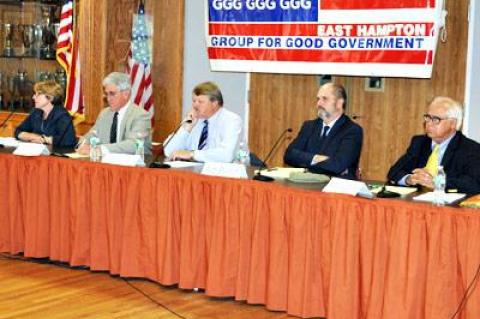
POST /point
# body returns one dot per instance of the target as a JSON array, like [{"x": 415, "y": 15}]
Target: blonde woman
[{"x": 49, "y": 122}]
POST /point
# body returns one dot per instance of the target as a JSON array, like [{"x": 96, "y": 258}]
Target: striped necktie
[
  {"x": 203, "y": 137},
  {"x": 432, "y": 162}
]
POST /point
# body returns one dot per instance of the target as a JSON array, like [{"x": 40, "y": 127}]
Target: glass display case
[{"x": 28, "y": 37}]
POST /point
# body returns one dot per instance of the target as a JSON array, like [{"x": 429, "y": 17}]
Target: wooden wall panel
[
  {"x": 278, "y": 102},
  {"x": 167, "y": 73},
  {"x": 389, "y": 118},
  {"x": 106, "y": 32}
]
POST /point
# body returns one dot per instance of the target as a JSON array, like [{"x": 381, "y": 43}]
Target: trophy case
[{"x": 28, "y": 37}]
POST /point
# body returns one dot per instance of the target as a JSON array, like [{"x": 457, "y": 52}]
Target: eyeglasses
[
  {"x": 427, "y": 118},
  {"x": 110, "y": 94}
]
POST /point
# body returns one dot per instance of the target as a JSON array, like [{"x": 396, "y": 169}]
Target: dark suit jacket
[
  {"x": 342, "y": 145},
  {"x": 58, "y": 125},
  {"x": 461, "y": 162}
]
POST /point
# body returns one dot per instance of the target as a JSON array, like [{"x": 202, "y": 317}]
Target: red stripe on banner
[
  {"x": 231, "y": 29},
  {"x": 262, "y": 29},
  {"x": 375, "y": 4},
  {"x": 351, "y": 56}
]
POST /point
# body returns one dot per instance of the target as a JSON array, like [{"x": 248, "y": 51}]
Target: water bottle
[
  {"x": 243, "y": 155},
  {"x": 95, "y": 152},
  {"x": 439, "y": 182},
  {"x": 140, "y": 148}
]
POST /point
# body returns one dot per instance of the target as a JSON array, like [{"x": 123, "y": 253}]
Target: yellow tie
[{"x": 432, "y": 163}]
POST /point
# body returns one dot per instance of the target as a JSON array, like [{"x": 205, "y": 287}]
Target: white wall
[
  {"x": 472, "y": 84},
  {"x": 196, "y": 67}
]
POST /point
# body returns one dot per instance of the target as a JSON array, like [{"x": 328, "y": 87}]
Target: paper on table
[
  {"x": 225, "y": 170},
  {"x": 447, "y": 197},
  {"x": 123, "y": 159},
  {"x": 31, "y": 149},
  {"x": 76, "y": 155},
  {"x": 280, "y": 172},
  {"x": 9, "y": 141},
  {"x": 346, "y": 186},
  {"x": 402, "y": 190},
  {"x": 182, "y": 164}
]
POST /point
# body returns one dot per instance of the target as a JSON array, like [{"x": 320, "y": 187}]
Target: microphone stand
[
  {"x": 2, "y": 126},
  {"x": 155, "y": 164},
  {"x": 259, "y": 176}
]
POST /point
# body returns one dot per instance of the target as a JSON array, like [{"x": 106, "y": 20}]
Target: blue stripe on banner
[{"x": 263, "y": 10}]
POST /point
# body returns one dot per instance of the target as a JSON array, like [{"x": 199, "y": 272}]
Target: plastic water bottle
[
  {"x": 243, "y": 155},
  {"x": 95, "y": 152},
  {"x": 439, "y": 182},
  {"x": 140, "y": 148}
]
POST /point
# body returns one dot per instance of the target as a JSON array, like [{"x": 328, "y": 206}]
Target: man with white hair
[
  {"x": 443, "y": 144},
  {"x": 122, "y": 123}
]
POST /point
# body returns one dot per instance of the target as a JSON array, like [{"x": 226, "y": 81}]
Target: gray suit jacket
[{"x": 136, "y": 121}]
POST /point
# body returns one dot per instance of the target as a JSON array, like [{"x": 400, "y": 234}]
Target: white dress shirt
[{"x": 224, "y": 132}]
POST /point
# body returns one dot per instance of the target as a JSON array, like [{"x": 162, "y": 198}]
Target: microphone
[
  {"x": 3, "y": 125},
  {"x": 384, "y": 193},
  {"x": 156, "y": 164},
  {"x": 258, "y": 176}
]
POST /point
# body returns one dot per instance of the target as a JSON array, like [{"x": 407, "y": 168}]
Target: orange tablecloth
[{"x": 303, "y": 252}]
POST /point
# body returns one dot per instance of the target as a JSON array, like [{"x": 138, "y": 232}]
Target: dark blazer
[
  {"x": 461, "y": 162},
  {"x": 343, "y": 146},
  {"x": 58, "y": 125}
]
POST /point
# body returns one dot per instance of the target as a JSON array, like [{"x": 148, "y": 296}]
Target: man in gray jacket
[{"x": 122, "y": 123}]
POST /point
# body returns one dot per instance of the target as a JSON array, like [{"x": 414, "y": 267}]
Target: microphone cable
[{"x": 158, "y": 303}]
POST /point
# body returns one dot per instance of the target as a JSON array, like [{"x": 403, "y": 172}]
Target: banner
[{"x": 343, "y": 37}]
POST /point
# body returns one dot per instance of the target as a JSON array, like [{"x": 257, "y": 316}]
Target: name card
[
  {"x": 123, "y": 159},
  {"x": 225, "y": 170},
  {"x": 346, "y": 186}
]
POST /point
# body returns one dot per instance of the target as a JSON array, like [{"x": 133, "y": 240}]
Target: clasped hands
[
  {"x": 35, "y": 138},
  {"x": 420, "y": 176}
]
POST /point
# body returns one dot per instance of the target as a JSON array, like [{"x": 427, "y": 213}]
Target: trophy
[
  {"x": 38, "y": 40},
  {"x": 49, "y": 40},
  {"x": 8, "y": 34},
  {"x": 61, "y": 78},
  {"x": 12, "y": 92},
  {"x": 28, "y": 39},
  {"x": 48, "y": 33},
  {"x": 22, "y": 83}
]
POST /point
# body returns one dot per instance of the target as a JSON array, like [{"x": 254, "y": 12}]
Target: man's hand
[
  {"x": 420, "y": 176},
  {"x": 182, "y": 155},
  {"x": 319, "y": 158},
  {"x": 191, "y": 116},
  {"x": 32, "y": 137},
  {"x": 83, "y": 149}
]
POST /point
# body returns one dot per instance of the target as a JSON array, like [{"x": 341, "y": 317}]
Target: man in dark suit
[
  {"x": 330, "y": 144},
  {"x": 443, "y": 144}
]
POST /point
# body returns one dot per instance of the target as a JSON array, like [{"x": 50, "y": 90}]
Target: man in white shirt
[
  {"x": 213, "y": 134},
  {"x": 122, "y": 123}
]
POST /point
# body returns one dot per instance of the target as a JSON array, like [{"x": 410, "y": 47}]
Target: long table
[{"x": 308, "y": 253}]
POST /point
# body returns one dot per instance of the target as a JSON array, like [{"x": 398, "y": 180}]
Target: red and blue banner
[{"x": 344, "y": 37}]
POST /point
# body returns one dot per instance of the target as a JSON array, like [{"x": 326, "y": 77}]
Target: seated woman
[{"x": 49, "y": 122}]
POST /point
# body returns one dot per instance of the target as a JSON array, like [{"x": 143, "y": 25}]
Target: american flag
[
  {"x": 68, "y": 57},
  {"x": 138, "y": 64}
]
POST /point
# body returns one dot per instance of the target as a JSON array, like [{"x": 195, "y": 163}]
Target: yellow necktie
[{"x": 432, "y": 163}]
